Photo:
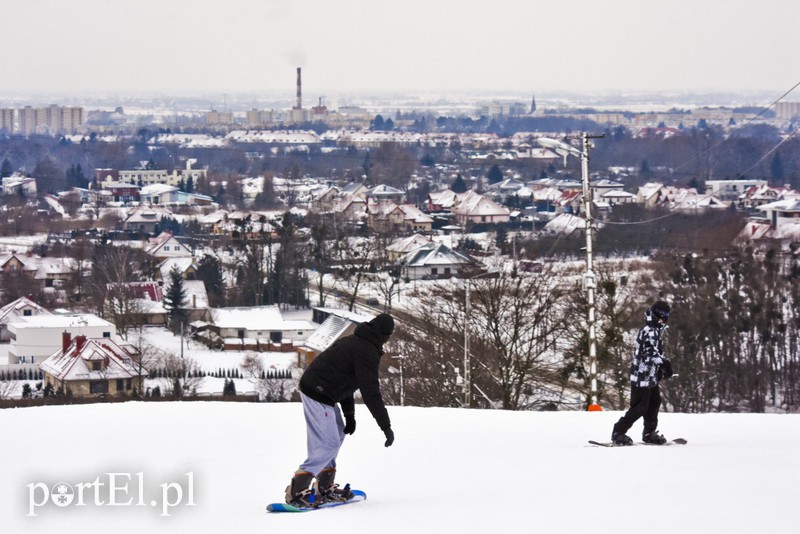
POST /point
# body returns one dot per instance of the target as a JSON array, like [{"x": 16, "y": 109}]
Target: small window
[
  {"x": 107, "y": 334},
  {"x": 120, "y": 384},
  {"x": 27, "y": 313},
  {"x": 97, "y": 366}
]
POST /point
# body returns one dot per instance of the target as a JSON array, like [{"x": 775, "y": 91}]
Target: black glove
[
  {"x": 349, "y": 423},
  {"x": 666, "y": 370},
  {"x": 389, "y": 436}
]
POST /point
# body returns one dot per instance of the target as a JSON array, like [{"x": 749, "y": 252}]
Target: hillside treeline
[{"x": 733, "y": 338}]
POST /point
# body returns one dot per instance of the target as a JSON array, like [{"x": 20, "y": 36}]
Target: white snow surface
[{"x": 449, "y": 471}]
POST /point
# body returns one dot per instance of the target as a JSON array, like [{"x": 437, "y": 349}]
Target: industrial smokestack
[{"x": 299, "y": 90}]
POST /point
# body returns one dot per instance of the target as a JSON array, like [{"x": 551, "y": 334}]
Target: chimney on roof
[
  {"x": 66, "y": 339},
  {"x": 80, "y": 341}
]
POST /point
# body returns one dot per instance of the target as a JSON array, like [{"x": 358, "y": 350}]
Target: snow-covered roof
[
  {"x": 332, "y": 329},
  {"x": 565, "y": 223},
  {"x": 13, "y": 310},
  {"x": 435, "y": 254},
  {"x": 790, "y": 204},
  {"x": 75, "y": 362},
  {"x": 157, "y": 189},
  {"x": 255, "y": 318},
  {"x": 407, "y": 244},
  {"x": 61, "y": 321}
]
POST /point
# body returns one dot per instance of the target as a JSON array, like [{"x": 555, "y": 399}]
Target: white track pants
[{"x": 325, "y": 435}]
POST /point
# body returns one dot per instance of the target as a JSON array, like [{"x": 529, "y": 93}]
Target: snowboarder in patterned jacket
[
  {"x": 648, "y": 367},
  {"x": 332, "y": 378}
]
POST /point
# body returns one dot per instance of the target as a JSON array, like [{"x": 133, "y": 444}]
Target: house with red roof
[{"x": 85, "y": 366}]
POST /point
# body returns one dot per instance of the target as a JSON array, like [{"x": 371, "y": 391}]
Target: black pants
[{"x": 645, "y": 402}]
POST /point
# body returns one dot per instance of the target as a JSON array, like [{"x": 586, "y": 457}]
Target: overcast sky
[{"x": 530, "y": 46}]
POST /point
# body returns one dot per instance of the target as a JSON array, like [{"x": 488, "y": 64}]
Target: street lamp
[
  {"x": 467, "y": 357},
  {"x": 563, "y": 149}
]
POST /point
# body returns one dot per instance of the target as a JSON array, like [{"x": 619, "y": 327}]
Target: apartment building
[
  {"x": 7, "y": 120},
  {"x": 787, "y": 110},
  {"x": 52, "y": 120}
]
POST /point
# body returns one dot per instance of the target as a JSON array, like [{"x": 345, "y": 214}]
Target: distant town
[{"x": 219, "y": 227}]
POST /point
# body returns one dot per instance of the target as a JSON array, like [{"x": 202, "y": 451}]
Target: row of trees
[{"x": 734, "y": 336}]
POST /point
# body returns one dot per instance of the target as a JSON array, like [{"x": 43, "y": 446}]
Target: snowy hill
[{"x": 449, "y": 471}]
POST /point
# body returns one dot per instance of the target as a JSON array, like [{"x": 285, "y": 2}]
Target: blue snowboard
[{"x": 358, "y": 495}]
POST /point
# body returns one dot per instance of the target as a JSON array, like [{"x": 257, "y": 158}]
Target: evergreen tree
[
  {"x": 459, "y": 185},
  {"x": 6, "y": 169},
  {"x": 495, "y": 175},
  {"x": 209, "y": 271},
  {"x": 175, "y": 299},
  {"x": 190, "y": 185}
]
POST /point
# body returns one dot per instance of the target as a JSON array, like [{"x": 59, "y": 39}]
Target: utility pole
[{"x": 590, "y": 283}]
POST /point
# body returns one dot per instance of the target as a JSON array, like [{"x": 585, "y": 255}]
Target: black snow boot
[
  {"x": 327, "y": 491},
  {"x": 654, "y": 438},
  {"x": 298, "y": 492},
  {"x": 620, "y": 438}
]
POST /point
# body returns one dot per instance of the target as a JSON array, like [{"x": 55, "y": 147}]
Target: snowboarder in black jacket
[
  {"x": 350, "y": 364},
  {"x": 648, "y": 367}
]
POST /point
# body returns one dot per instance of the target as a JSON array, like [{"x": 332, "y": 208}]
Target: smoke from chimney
[{"x": 299, "y": 104}]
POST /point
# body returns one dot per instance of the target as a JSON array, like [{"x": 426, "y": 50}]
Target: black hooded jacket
[{"x": 349, "y": 364}]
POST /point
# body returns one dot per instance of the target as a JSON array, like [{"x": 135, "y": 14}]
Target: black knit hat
[
  {"x": 661, "y": 310},
  {"x": 383, "y": 323}
]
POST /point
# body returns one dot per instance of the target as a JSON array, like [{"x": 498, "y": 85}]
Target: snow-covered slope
[{"x": 449, "y": 471}]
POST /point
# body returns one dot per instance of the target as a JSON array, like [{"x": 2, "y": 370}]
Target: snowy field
[{"x": 449, "y": 471}]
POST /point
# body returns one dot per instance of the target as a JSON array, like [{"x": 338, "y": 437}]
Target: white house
[
  {"x": 165, "y": 245},
  {"x": 434, "y": 261},
  {"x": 158, "y": 194},
  {"x": 476, "y": 208},
  {"x": 146, "y": 218},
  {"x": 35, "y": 338},
  {"x": 258, "y": 328},
  {"x": 782, "y": 212},
  {"x": 14, "y": 311},
  {"x": 17, "y": 184},
  {"x": 731, "y": 190}
]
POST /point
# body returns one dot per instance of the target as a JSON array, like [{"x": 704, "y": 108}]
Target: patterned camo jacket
[{"x": 648, "y": 354}]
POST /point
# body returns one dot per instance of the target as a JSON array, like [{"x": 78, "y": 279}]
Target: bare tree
[
  {"x": 8, "y": 388},
  {"x": 122, "y": 308},
  {"x": 355, "y": 257},
  {"x": 519, "y": 324},
  {"x": 269, "y": 388}
]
